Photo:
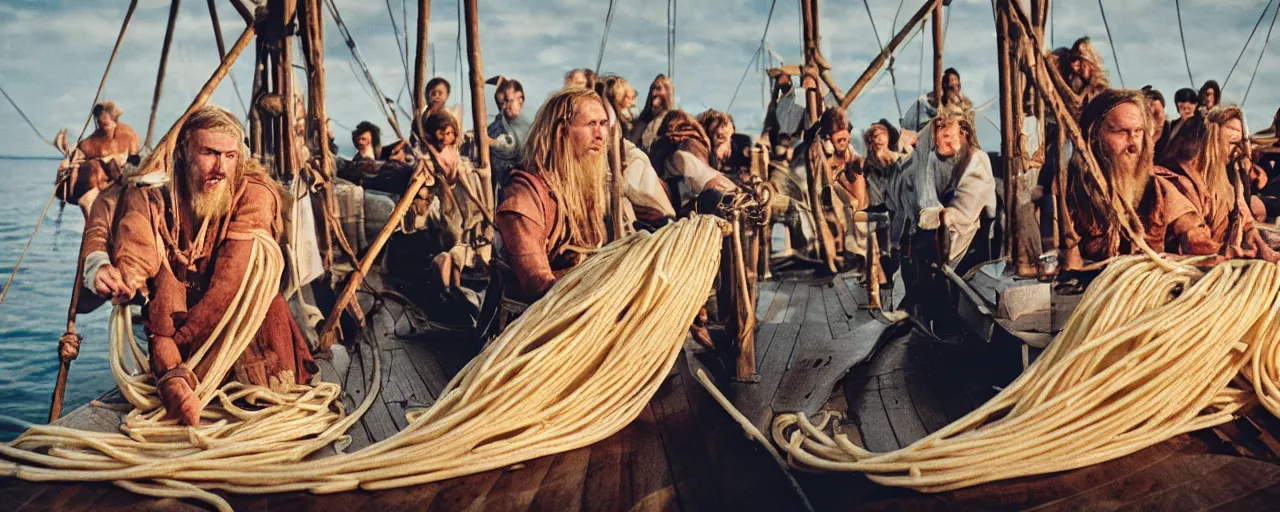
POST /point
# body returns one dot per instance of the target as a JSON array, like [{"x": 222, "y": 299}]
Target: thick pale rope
[
  {"x": 1153, "y": 350},
  {"x": 578, "y": 366}
]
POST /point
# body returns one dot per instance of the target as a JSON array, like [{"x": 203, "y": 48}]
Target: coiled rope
[
  {"x": 1153, "y": 351},
  {"x": 578, "y": 366}
]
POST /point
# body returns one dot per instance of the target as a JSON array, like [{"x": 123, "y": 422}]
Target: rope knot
[{"x": 69, "y": 346}]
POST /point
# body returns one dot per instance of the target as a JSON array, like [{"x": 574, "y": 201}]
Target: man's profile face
[
  {"x": 948, "y": 139},
  {"x": 880, "y": 140},
  {"x": 1186, "y": 109},
  {"x": 106, "y": 122},
  {"x": 447, "y": 136},
  {"x": 1234, "y": 131},
  {"x": 587, "y": 128},
  {"x": 437, "y": 96},
  {"x": 1123, "y": 133},
  {"x": 512, "y": 104},
  {"x": 840, "y": 140},
  {"x": 1156, "y": 108},
  {"x": 724, "y": 140},
  {"x": 362, "y": 141}
]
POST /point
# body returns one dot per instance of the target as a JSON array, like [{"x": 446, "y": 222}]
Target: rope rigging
[
  {"x": 759, "y": 51},
  {"x": 893, "y": 78},
  {"x": 671, "y": 39},
  {"x": 395, "y": 30},
  {"x": 604, "y": 38},
  {"x": 1260, "y": 54},
  {"x": 1177, "y": 6},
  {"x": 24, "y": 117},
  {"x": 1261, "y": 16},
  {"x": 1115, "y": 56}
]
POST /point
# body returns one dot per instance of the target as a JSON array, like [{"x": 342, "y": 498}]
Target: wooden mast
[
  {"x": 1007, "y": 129},
  {"x": 813, "y": 105},
  {"x": 164, "y": 61},
  {"x": 937, "y": 53},
  {"x": 478, "y": 118},
  {"x": 420, "y": 65}
]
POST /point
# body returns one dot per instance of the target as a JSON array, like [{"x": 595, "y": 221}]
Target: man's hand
[
  {"x": 69, "y": 346},
  {"x": 108, "y": 283},
  {"x": 180, "y": 402},
  {"x": 931, "y": 217},
  {"x": 908, "y": 138}
]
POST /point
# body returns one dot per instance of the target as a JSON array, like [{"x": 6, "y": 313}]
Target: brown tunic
[
  {"x": 534, "y": 237},
  {"x": 1214, "y": 207},
  {"x": 188, "y": 300},
  {"x": 1160, "y": 206}
]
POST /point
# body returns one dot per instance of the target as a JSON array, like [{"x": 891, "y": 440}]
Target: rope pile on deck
[
  {"x": 577, "y": 367},
  {"x": 1154, "y": 350}
]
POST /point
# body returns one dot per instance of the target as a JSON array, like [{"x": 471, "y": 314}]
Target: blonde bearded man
[
  {"x": 191, "y": 252},
  {"x": 555, "y": 206}
]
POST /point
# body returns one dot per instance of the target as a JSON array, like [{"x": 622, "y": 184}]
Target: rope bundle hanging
[
  {"x": 578, "y": 366},
  {"x": 1152, "y": 351}
]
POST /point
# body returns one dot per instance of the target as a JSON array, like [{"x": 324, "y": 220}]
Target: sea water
[{"x": 34, "y": 313}]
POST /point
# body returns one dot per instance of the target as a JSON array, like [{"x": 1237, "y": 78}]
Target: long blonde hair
[{"x": 577, "y": 185}]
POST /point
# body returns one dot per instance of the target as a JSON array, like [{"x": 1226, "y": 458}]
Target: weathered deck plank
[
  {"x": 778, "y": 307},
  {"x": 755, "y": 399}
]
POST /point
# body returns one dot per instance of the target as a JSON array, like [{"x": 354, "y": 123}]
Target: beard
[
  {"x": 580, "y": 189},
  {"x": 1128, "y": 176},
  {"x": 207, "y": 204}
]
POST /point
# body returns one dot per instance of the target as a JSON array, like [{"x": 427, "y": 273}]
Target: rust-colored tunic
[
  {"x": 188, "y": 300},
  {"x": 1160, "y": 206},
  {"x": 1214, "y": 207},
  {"x": 534, "y": 237}
]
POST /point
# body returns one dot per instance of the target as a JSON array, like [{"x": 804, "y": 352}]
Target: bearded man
[
  {"x": 661, "y": 99},
  {"x": 730, "y": 150},
  {"x": 1200, "y": 163},
  {"x": 555, "y": 206},
  {"x": 190, "y": 253},
  {"x": 833, "y": 136},
  {"x": 94, "y": 164},
  {"x": 1117, "y": 127}
]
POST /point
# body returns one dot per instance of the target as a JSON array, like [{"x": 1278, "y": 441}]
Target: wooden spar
[
  {"x": 764, "y": 235},
  {"x": 816, "y": 162},
  {"x": 164, "y": 61},
  {"x": 311, "y": 23},
  {"x": 880, "y": 59},
  {"x": 160, "y": 158},
  {"x": 217, "y": 29},
  {"x": 328, "y": 332},
  {"x": 243, "y": 10},
  {"x": 744, "y": 320},
  {"x": 1009, "y": 141},
  {"x": 937, "y": 53},
  {"x": 478, "y": 119},
  {"x": 287, "y": 150},
  {"x": 420, "y": 65},
  {"x": 64, "y": 366},
  {"x": 813, "y": 99},
  {"x": 257, "y": 143},
  {"x": 616, "y": 226}
]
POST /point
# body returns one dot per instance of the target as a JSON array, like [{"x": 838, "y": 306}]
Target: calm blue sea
[{"x": 34, "y": 313}]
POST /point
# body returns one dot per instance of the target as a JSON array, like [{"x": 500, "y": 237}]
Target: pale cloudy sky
[{"x": 52, "y": 53}]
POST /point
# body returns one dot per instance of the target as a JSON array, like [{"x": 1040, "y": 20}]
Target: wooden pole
[
  {"x": 243, "y": 10},
  {"x": 287, "y": 151},
  {"x": 328, "y": 332},
  {"x": 744, "y": 307},
  {"x": 764, "y": 235},
  {"x": 478, "y": 118},
  {"x": 257, "y": 142},
  {"x": 64, "y": 366},
  {"x": 937, "y": 53},
  {"x": 420, "y": 65},
  {"x": 1007, "y": 131},
  {"x": 164, "y": 61},
  {"x": 880, "y": 59},
  {"x": 616, "y": 226}
]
